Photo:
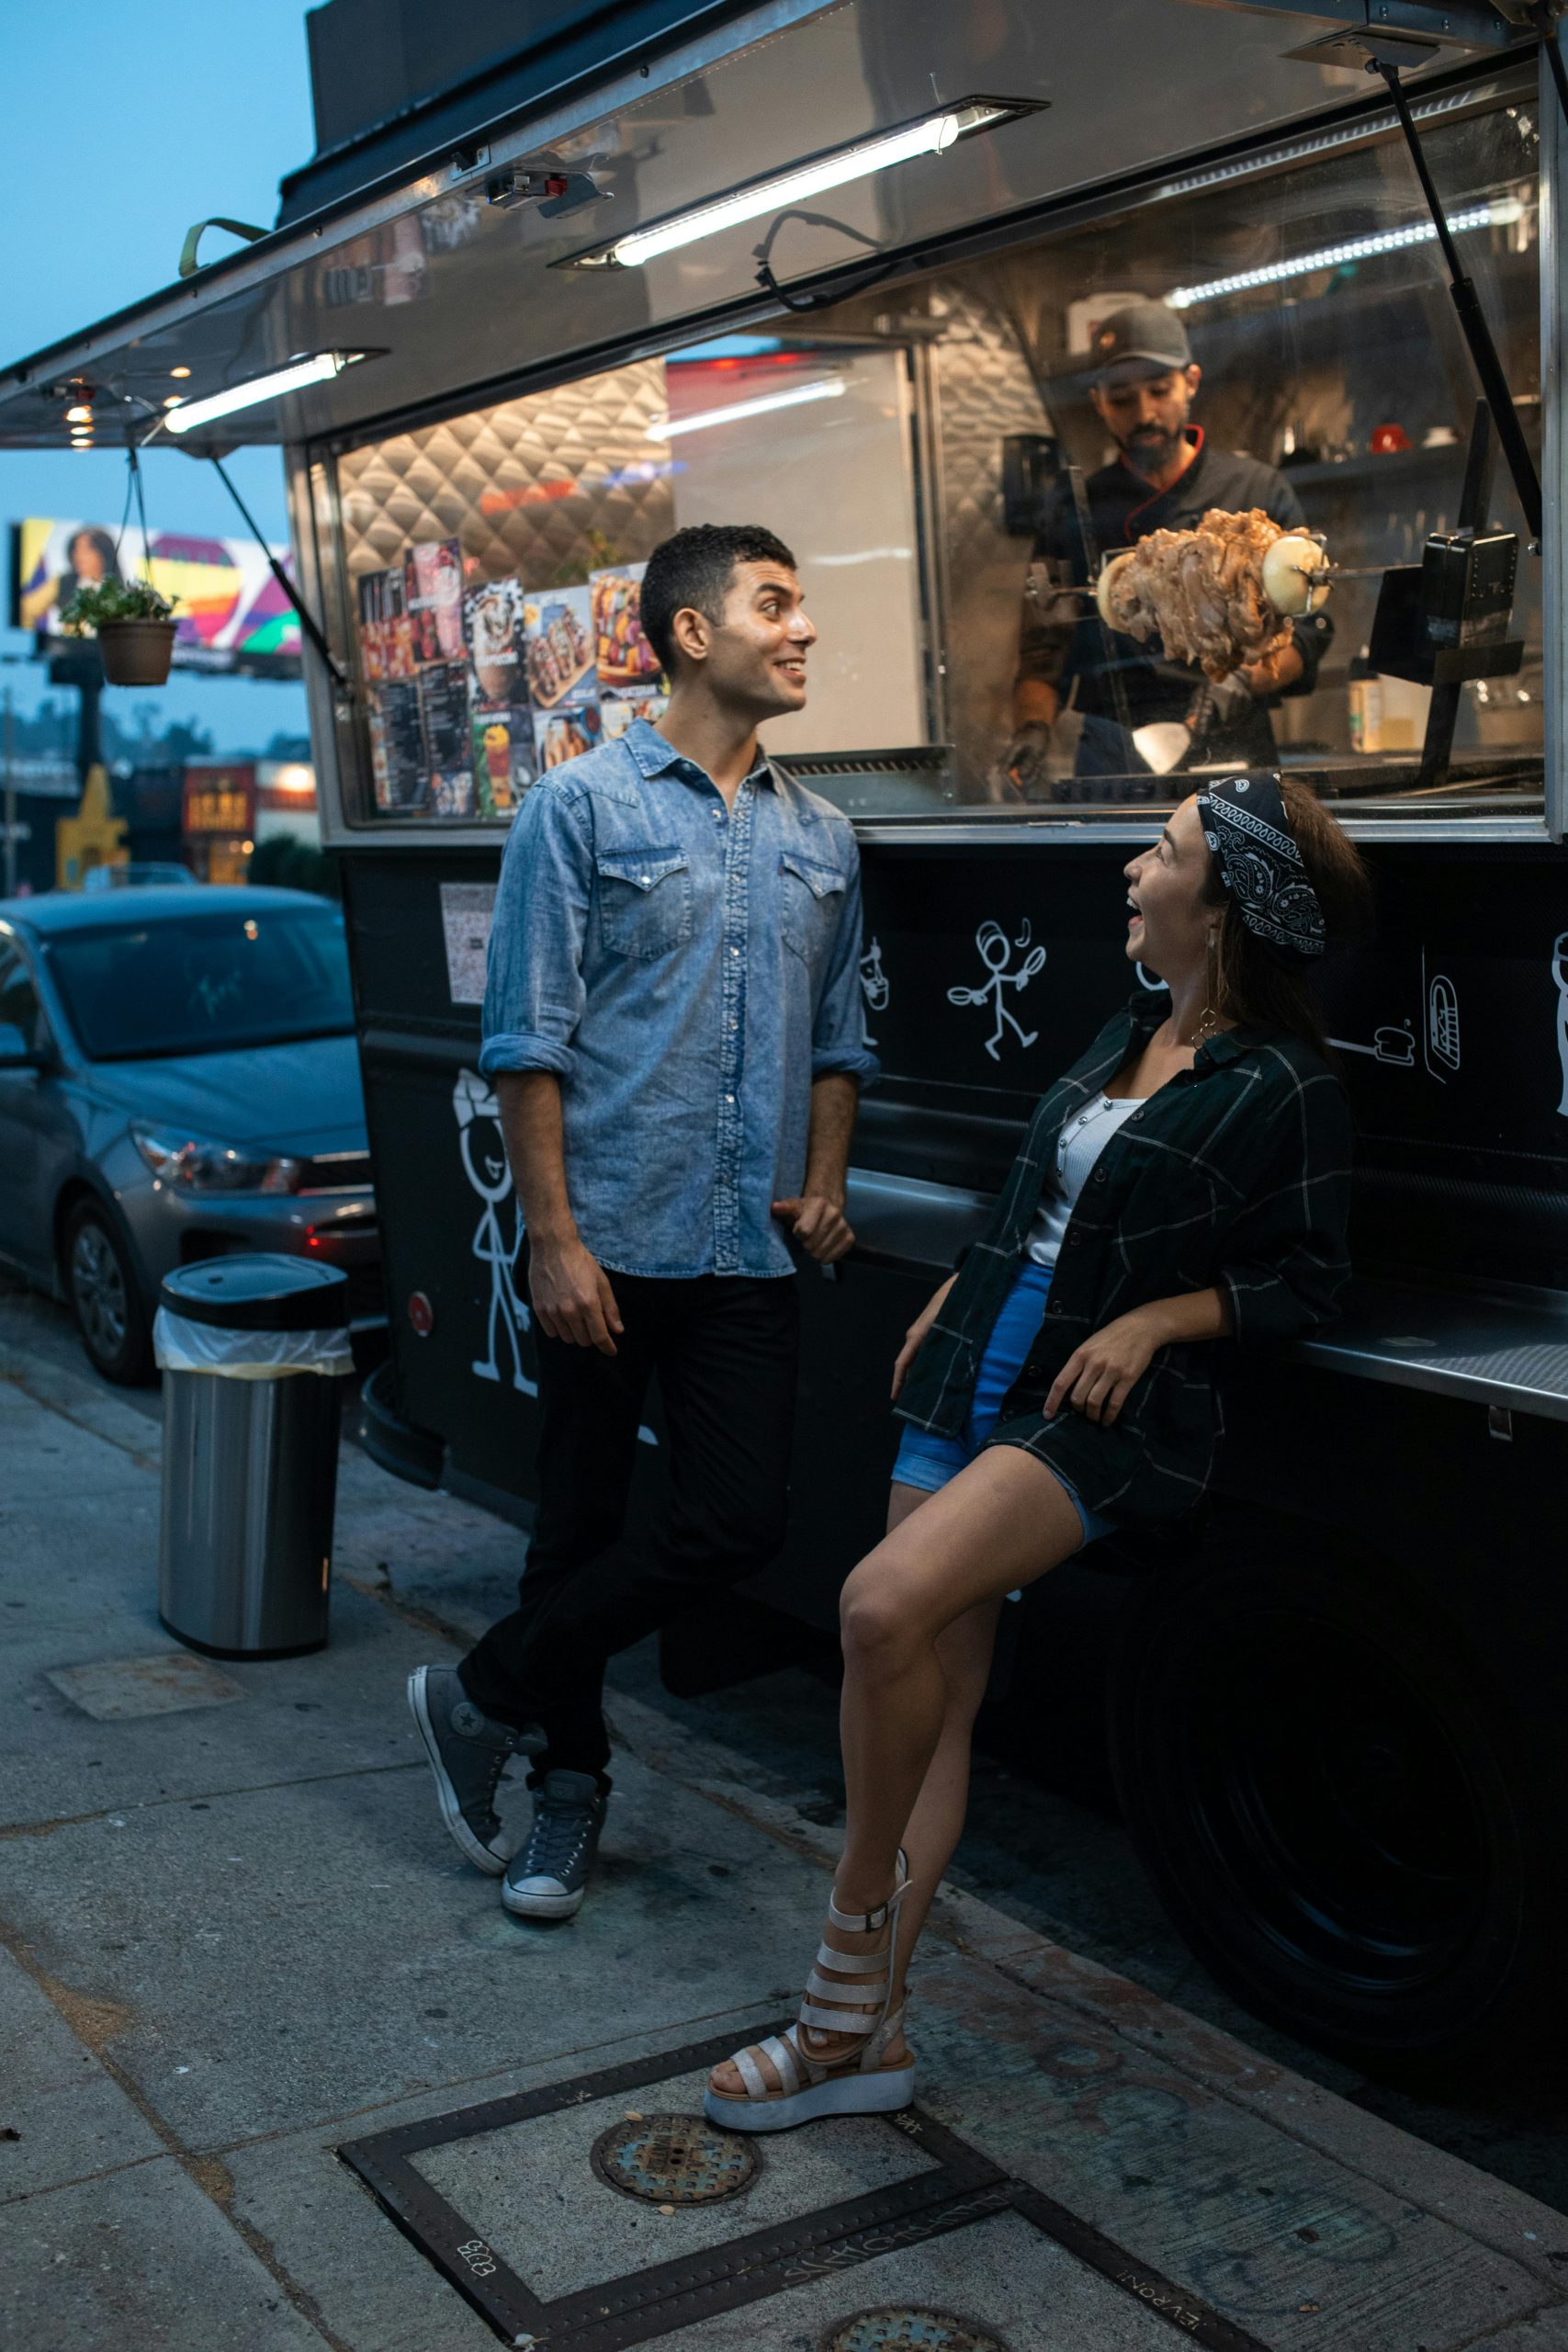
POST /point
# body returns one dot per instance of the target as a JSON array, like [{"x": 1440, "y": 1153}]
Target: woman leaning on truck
[{"x": 1187, "y": 1180}]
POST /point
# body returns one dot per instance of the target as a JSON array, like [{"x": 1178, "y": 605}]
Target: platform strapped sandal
[{"x": 859, "y": 2082}]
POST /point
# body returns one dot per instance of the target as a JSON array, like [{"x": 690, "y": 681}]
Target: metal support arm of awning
[{"x": 307, "y": 620}]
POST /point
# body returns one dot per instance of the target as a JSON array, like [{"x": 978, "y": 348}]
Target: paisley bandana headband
[{"x": 1246, "y": 827}]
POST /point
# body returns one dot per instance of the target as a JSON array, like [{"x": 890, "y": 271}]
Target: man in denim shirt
[{"x": 674, "y": 1027}]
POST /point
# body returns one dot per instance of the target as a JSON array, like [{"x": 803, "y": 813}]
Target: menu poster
[
  {"x": 559, "y": 631},
  {"x": 385, "y": 629},
  {"x": 442, "y": 691},
  {"x": 432, "y": 592},
  {"x": 397, "y": 748},
  {"x": 618, "y": 711},
  {"x": 565, "y": 734},
  {"x": 622, "y": 655},
  {"x": 502, "y": 755},
  {"x": 492, "y": 624}
]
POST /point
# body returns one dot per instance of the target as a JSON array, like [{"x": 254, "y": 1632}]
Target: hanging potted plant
[{"x": 134, "y": 626}]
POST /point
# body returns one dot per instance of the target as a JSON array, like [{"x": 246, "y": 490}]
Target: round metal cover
[
  {"x": 908, "y": 2329},
  {"x": 674, "y": 2160}
]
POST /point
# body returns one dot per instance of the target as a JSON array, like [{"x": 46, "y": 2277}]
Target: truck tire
[
  {"x": 105, "y": 1297},
  {"x": 1333, "y": 1802}
]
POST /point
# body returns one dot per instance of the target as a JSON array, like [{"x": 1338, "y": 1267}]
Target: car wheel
[
  {"x": 105, "y": 1298},
  {"x": 1332, "y": 1801}
]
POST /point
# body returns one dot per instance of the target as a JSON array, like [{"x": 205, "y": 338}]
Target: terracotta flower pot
[{"x": 136, "y": 653}]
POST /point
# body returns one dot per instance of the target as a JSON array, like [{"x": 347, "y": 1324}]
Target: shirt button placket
[{"x": 726, "y": 1185}]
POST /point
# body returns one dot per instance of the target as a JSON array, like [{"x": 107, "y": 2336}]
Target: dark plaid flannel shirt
[{"x": 1234, "y": 1175}]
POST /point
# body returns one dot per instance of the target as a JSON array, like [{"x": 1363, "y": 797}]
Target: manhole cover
[
  {"x": 674, "y": 2160},
  {"x": 908, "y": 2330}
]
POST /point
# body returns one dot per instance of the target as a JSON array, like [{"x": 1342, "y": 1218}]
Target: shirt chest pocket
[
  {"x": 644, "y": 900},
  {"x": 811, "y": 894}
]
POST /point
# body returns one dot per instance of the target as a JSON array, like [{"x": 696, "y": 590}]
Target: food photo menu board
[{"x": 478, "y": 687}]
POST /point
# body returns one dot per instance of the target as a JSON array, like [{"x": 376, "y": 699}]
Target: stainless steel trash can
[{"x": 250, "y": 1453}]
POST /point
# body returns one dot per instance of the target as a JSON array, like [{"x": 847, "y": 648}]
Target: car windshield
[{"x": 204, "y": 983}]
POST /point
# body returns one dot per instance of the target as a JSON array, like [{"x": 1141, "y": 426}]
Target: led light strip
[
  {"x": 319, "y": 368},
  {"x": 1502, "y": 214},
  {"x": 824, "y": 388},
  {"x": 932, "y": 135}
]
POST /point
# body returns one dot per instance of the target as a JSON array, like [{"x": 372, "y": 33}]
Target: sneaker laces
[{"x": 560, "y": 1829}]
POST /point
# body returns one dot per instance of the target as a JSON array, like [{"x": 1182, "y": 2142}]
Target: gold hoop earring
[{"x": 1209, "y": 1019}]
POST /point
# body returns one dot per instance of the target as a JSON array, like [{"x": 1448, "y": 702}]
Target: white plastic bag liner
[{"x": 181, "y": 1345}]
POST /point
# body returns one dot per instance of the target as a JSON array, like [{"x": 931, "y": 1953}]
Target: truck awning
[{"x": 457, "y": 279}]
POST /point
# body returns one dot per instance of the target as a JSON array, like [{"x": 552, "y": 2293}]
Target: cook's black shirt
[
  {"x": 1234, "y": 1175},
  {"x": 1122, "y": 510}
]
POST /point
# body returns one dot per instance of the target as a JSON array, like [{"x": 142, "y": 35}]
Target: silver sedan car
[{"x": 178, "y": 1079}]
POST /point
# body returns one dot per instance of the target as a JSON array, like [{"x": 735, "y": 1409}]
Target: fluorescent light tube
[
  {"x": 1502, "y": 214},
  {"x": 824, "y": 388},
  {"x": 319, "y": 368},
  {"x": 931, "y": 136}
]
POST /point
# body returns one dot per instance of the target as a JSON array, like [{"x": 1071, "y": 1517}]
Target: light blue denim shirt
[{"x": 688, "y": 970}]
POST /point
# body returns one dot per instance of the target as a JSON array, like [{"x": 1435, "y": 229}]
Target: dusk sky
[{"x": 123, "y": 125}]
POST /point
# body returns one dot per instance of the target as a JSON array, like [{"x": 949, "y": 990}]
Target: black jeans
[{"x": 725, "y": 1349}]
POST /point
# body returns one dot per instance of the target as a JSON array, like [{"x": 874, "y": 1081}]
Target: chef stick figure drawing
[
  {"x": 484, "y": 1165},
  {"x": 996, "y": 953}
]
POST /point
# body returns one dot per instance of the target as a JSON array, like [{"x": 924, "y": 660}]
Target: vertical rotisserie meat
[{"x": 1200, "y": 592}]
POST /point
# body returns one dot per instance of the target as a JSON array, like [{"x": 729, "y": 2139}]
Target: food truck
[{"x": 839, "y": 270}]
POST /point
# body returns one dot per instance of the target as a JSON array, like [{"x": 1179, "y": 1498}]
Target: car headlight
[{"x": 204, "y": 1167}]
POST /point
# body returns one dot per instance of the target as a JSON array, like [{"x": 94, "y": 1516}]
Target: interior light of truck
[
  {"x": 1502, "y": 214},
  {"x": 317, "y": 367},
  {"x": 824, "y": 388},
  {"x": 932, "y": 135}
]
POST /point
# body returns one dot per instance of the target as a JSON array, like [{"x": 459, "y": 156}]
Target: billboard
[{"x": 230, "y": 612}]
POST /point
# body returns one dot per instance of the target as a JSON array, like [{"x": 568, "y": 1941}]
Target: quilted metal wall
[{"x": 550, "y": 487}]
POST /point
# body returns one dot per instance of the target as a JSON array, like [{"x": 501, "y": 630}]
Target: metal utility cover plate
[
  {"x": 505, "y": 2200},
  {"x": 169, "y": 1684},
  {"x": 508, "y": 2202}
]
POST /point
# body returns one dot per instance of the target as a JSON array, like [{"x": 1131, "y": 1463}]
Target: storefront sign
[{"x": 221, "y": 800}]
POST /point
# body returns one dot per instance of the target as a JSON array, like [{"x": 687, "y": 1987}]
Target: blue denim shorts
[{"x": 929, "y": 1462}]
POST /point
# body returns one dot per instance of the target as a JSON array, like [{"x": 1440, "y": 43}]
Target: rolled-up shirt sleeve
[
  {"x": 533, "y": 990},
  {"x": 1283, "y": 1262},
  {"x": 838, "y": 1030}
]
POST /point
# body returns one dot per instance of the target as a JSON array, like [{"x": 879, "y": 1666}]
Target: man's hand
[
  {"x": 1096, "y": 1377},
  {"x": 915, "y": 1337},
  {"x": 569, "y": 1292},
  {"x": 1274, "y": 674},
  {"x": 820, "y": 1225}
]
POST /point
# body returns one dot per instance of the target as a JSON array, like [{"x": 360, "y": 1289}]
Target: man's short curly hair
[{"x": 694, "y": 569}]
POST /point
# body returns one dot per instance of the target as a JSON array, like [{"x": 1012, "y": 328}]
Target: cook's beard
[{"x": 1153, "y": 453}]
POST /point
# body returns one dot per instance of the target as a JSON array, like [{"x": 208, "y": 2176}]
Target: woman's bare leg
[
  {"x": 1004, "y": 1522},
  {"x": 936, "y": 1824}
]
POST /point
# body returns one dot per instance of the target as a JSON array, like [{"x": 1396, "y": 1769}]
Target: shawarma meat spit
[{"x": 1206, "y": 594}]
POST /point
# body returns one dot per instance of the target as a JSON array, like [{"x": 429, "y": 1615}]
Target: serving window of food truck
[{"x": 923, "y": 447}]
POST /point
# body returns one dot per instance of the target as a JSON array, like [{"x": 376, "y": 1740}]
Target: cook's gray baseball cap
[{"x": 1142, "y": 331}]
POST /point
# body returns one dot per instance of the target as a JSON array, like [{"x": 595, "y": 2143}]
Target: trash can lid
[{"x": 265, "y": 1292}]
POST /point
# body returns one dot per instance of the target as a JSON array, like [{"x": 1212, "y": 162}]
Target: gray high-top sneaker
[
  {"x": 468, "y": 1752},
  {"x": 549, "y": 1875}
]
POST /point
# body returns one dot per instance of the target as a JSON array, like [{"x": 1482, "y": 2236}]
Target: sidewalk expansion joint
[{"x": 94, "y": 2022}]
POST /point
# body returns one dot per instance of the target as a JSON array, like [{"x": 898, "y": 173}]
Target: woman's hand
[
  {"x": 915, "y": 1337},
  {"x": 1098, "y": 1376}
]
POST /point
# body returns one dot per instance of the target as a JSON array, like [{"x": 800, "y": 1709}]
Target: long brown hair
[{"x": 1256, "y": 985}]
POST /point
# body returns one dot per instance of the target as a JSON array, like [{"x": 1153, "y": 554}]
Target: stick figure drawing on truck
[
  {"x": 996, "y": 953},
  {"x": 484, "y": 1165}
]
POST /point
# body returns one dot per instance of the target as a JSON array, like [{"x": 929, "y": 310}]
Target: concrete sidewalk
[{"x": 236, "y": 1938}]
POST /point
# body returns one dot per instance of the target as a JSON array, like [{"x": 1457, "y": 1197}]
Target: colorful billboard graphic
[{"x": 230, "y": 611}]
